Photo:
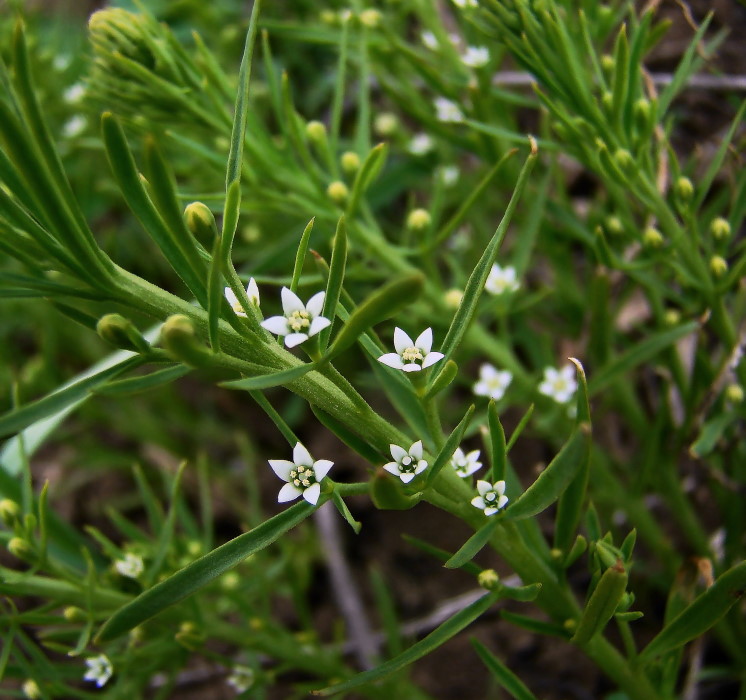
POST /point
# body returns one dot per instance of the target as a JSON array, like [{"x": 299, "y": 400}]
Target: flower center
[
  {"x": 490, "y": 497},
  {"x": 302, "y": 477},
  {"x": 560, "y": 385},
  {"x": 236, "y": 306},
  {"x": 299, "y": 321},
  {"x": 412, "y": 355},
  {"x": 407, "y": 465}
]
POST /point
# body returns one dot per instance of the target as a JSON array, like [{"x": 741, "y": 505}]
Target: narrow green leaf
[
  {"x": 552, "y": 482},
  {"x": 300, "y": 255},
  {"x": 276, "y": 418},
  {"x": 700, "y": 615},
  {"x": 442, "y": 380},
  {"x": 335, "y": 281},
  {"x": 711, "y": 433},
  {"x": 441, "y": 554},
  {"x": 339, "y": 87},
  {"x": 498, "y": 448},
  {"x": 215, "y": 293},
  {"x": 503, "y": 675},
  {"x": 620, "y": 84},
  {"x": 519, "y": 428},
  {"x": 368, "y": 172},
  {"x": 602, "y": 604},
  {"x": 533, "y": 625},
  {"x": 201, "y": 572},
  {"x": 352, "y": 440},
  {"x": 453, "y": 441},
  {"x": 135, "y": 385},
  {"x": 473, "y": 545},
  {"x": 450, "y": 628},
  {"x": 266, "y": 381},
  {"x": 344, "y": 511}
]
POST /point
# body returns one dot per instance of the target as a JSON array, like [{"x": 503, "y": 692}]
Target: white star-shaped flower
[
  {"x": 131, "y": 566},
  {"x": 300, "y": 321},
  {"x": 74, "y": 93},
  {"x": 429, "y": 40},
  {"x": 465, "y": 464},
  {"x": 476, "y": 56},
  {"x": 449, "y": 174},
  {"x": 407, "y": 463},
  {"x": 448, "y": 111},
  {"x": 491, "y": 497},
  {"x": 412, "y": 355},
  {"x": 99, "y": 670},
  {"x": 241, "y": 678},
  {"x": 559, "y": 384},
  {"x": 303, "y": 475},
  {"x": 492, "y": 382},
  {"x": 74, "y": 126},
  {"x": 252, "y": 291},
  {"x": 420, "y": 145},
  {"x": 501, "y": 279}
]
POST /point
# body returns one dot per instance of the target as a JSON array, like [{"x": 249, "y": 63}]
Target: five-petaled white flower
[
  {"x": 491, "y": 497},
  {"x": 99, "y": 670},
  {"x": 131, "y": 566},
  {"x": 241, "y": 678},
  {"x": 303, "y": 475},
  {"x": 407, "y": 463},
  {"x": 501, "y": 279},
  {"x": 492, "y": 382},
  {"x": 252, "y": 291},
  {"x": 420, "y": 145},
  {"x": 448, "y": 111},
  {"x": 300, "y": 321},
  {"x": 412, "y": 355},
  {"x": 559, "y": 384},
  {"x": 465, "y": 464},
  {"x": 476, "y": 56},
  {"x": 449, "y": 174}
]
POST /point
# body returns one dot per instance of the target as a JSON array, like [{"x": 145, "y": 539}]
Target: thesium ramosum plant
[{"x": 353, "y": 244}]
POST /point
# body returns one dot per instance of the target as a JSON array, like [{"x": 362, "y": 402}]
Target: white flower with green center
[
  {"x": 491, "y": 497},
  {"x": 241, "y": 678},
  {"x": 131, "y": 566},
  {"x": 99, "y": 670},
  {"x": 420, "y": 145},
  {"x": 492, "y": 382},
  {"x": 559, "y": 384},
  {"x": 407, "y": 463},
  {"x": 412, "y": 355},
  {"x": 303, "y": 475},
  {"x": 448, "y": 111},
  {"x": 476, "y": 56},
  {"x": 501, "y": 280},
  {"x": 252, "y": 291},
  {"x": 300, "y": 321},
  {"x": 465, "y": 464}
]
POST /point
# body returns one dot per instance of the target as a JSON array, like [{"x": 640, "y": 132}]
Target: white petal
[
  {"x": 392, "y": 468},
  {"x": 293, "y": 339},
  {"x": 230, "y": 296},
  {"x": 416, "y": 450},
  {"x": 425, "y": 340},
  {"x": 406, "y": 478},
  {"x": 398, "y": 453},
  {"x": 546, "y": 388},
  {"x": 289, "y": 492},
  {"x": 282, "y": 468},
  {"x": 473, "y": 456},
  {"x": 316, "y": 304},
  {"x": 302, "y": 456},
  {"x": 421, "y": 466},
  {"x": 321, "y": 468},
  {"x": 318, "y": 324},
  {"x": 499, "y": 486},
  {"x": 402, "y": 341},
  {"x": 312, "y": 493},
  {"x": 411, "y": 368},
  {"x": 568, "y": 372},
  {"x": 550, "y": 374},
  {"x": 252, "y": 291},
  {"x": 483, "y": 487},
  {"x": 487, "y": 372},
  {"x": 431, "y": 358},
  {"x": 478, "y": 502},
  {"x": 481, "y": 389},
  {"x": 392, "y": 360},
  {"x": 290, "y": 302},
  {"x": 502, "y": 501},
  {"x": 458, "y": 455},
  {"x": 278, "y": 325},
  {"x": 490, "y": 510}
]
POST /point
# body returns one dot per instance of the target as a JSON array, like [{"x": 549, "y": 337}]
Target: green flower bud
[
  {"x": 652, "y": 237},
  {"x": 624, "y": 160},
  {"x": 718, "y": 265},
  {"x": 121, "y": 333},
  {"x": 386, "y": 124},
  {"x": 607, "y": 63},
  {"x": 387, "y": 494},
  {"x": 74, "y": 614},
  {"x": 419, "y": 220},
  {"x": 329, "y": 17},
  {"x": 642, "y": 110},
  {"x": 734, "y": 393},
  {"x": 179, "y": 338},
  {"x": 488, "y": 579},
  {"x": 316, "y": 132},
  {"x": 720, "y": 228},
  {"x": 672, "y": 317},
  {"x": 338, "y": 192},
  {"x": 614, "y": 225},
  {"x": 9, "y": 512},
  {"x": 350, "y": 162},
  {"x": 19, "y": 548},
  {"x": 607, "y": 102},
  {"x": 201, "y": 223},
  {"x": 453, "y": 298},
  {"x": 370, "y": 18},
  {"x": 230, "y": 581},
  {"x": 684, "y": 189}
]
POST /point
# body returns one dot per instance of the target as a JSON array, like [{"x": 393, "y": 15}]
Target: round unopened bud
[
  {"x": 419, "y": 220},
  {"x": 720, "y": 228},
  {"x": 201, "y": 223},
  {"x": 251, "y": 233},
  {"x": 734, "y": 393},
  {"x": 230, "y": 581},
  {"x": 179, "y": 337},
  {"x": 607, "y": 102},
  {"x": 570, "y": 625},
  {"x": 556, "y": 554},
  {"x": 718, "y": 265},
  {"x": 613, "y": 224},
  {"x": 121, "y": 333},
  {"x": 652, "y": 237},
  {"x": 256, "y": 624},
  {"x": 31, "y": 689},
  {"x": 9, "y": 512},
  {"x": 453, "y": 298},
  {"x": 338, "y": 192},
  {"x": 194, "y": 548},
  {"x": 642, "y": 109},
  {"x": 350, "y": 162},
  {"x": 316, "y": 131},
  {"x": 624, "y": 159},
  {"x": 189, "y": 636},
  {"x": 672, "y": 317},
  {"x": 607, "y": 63},
  {"x": 19, "y": 548},
  {"x": 684, "y": 189},
  {"x": 328, "y": 17},
  {"x": 370, "y": 18},
  {"x": 488, "y": 579},
  {"x": 386, "y": 124},
  {"x": 73, "y": 613}
]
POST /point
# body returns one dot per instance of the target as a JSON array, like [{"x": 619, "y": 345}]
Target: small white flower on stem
[
  {"x": 476, "y": 56},
  {"x": 501, "y": 279},
  {"x": 420, "y": 145},
  {"x": 412, "y": 355},
  {"x": 466, "y": 3},
  {"x": 99, "y": 670},
  {"x": 465, "y": 464},
  {"x": 241, "y": 678},
  {"x": 448, "y": 111},
  {"x": 491, "y": 497},
  {"x": 407, "y": 463},
  {"x": 449, "y": 174},
  {"x": 429, "y": 40},
  {"x": 303, "y": 475},
  {"x": 300, "y": 321},
  {"x": 492, "y": 382},
  {"x": 131, "y": 566},
  {"x": 559, "y": 384},
  {"x": 252, "y": 291},
  {"x": 74, "y": 126},
  {"x": 74, "y": 93}
]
